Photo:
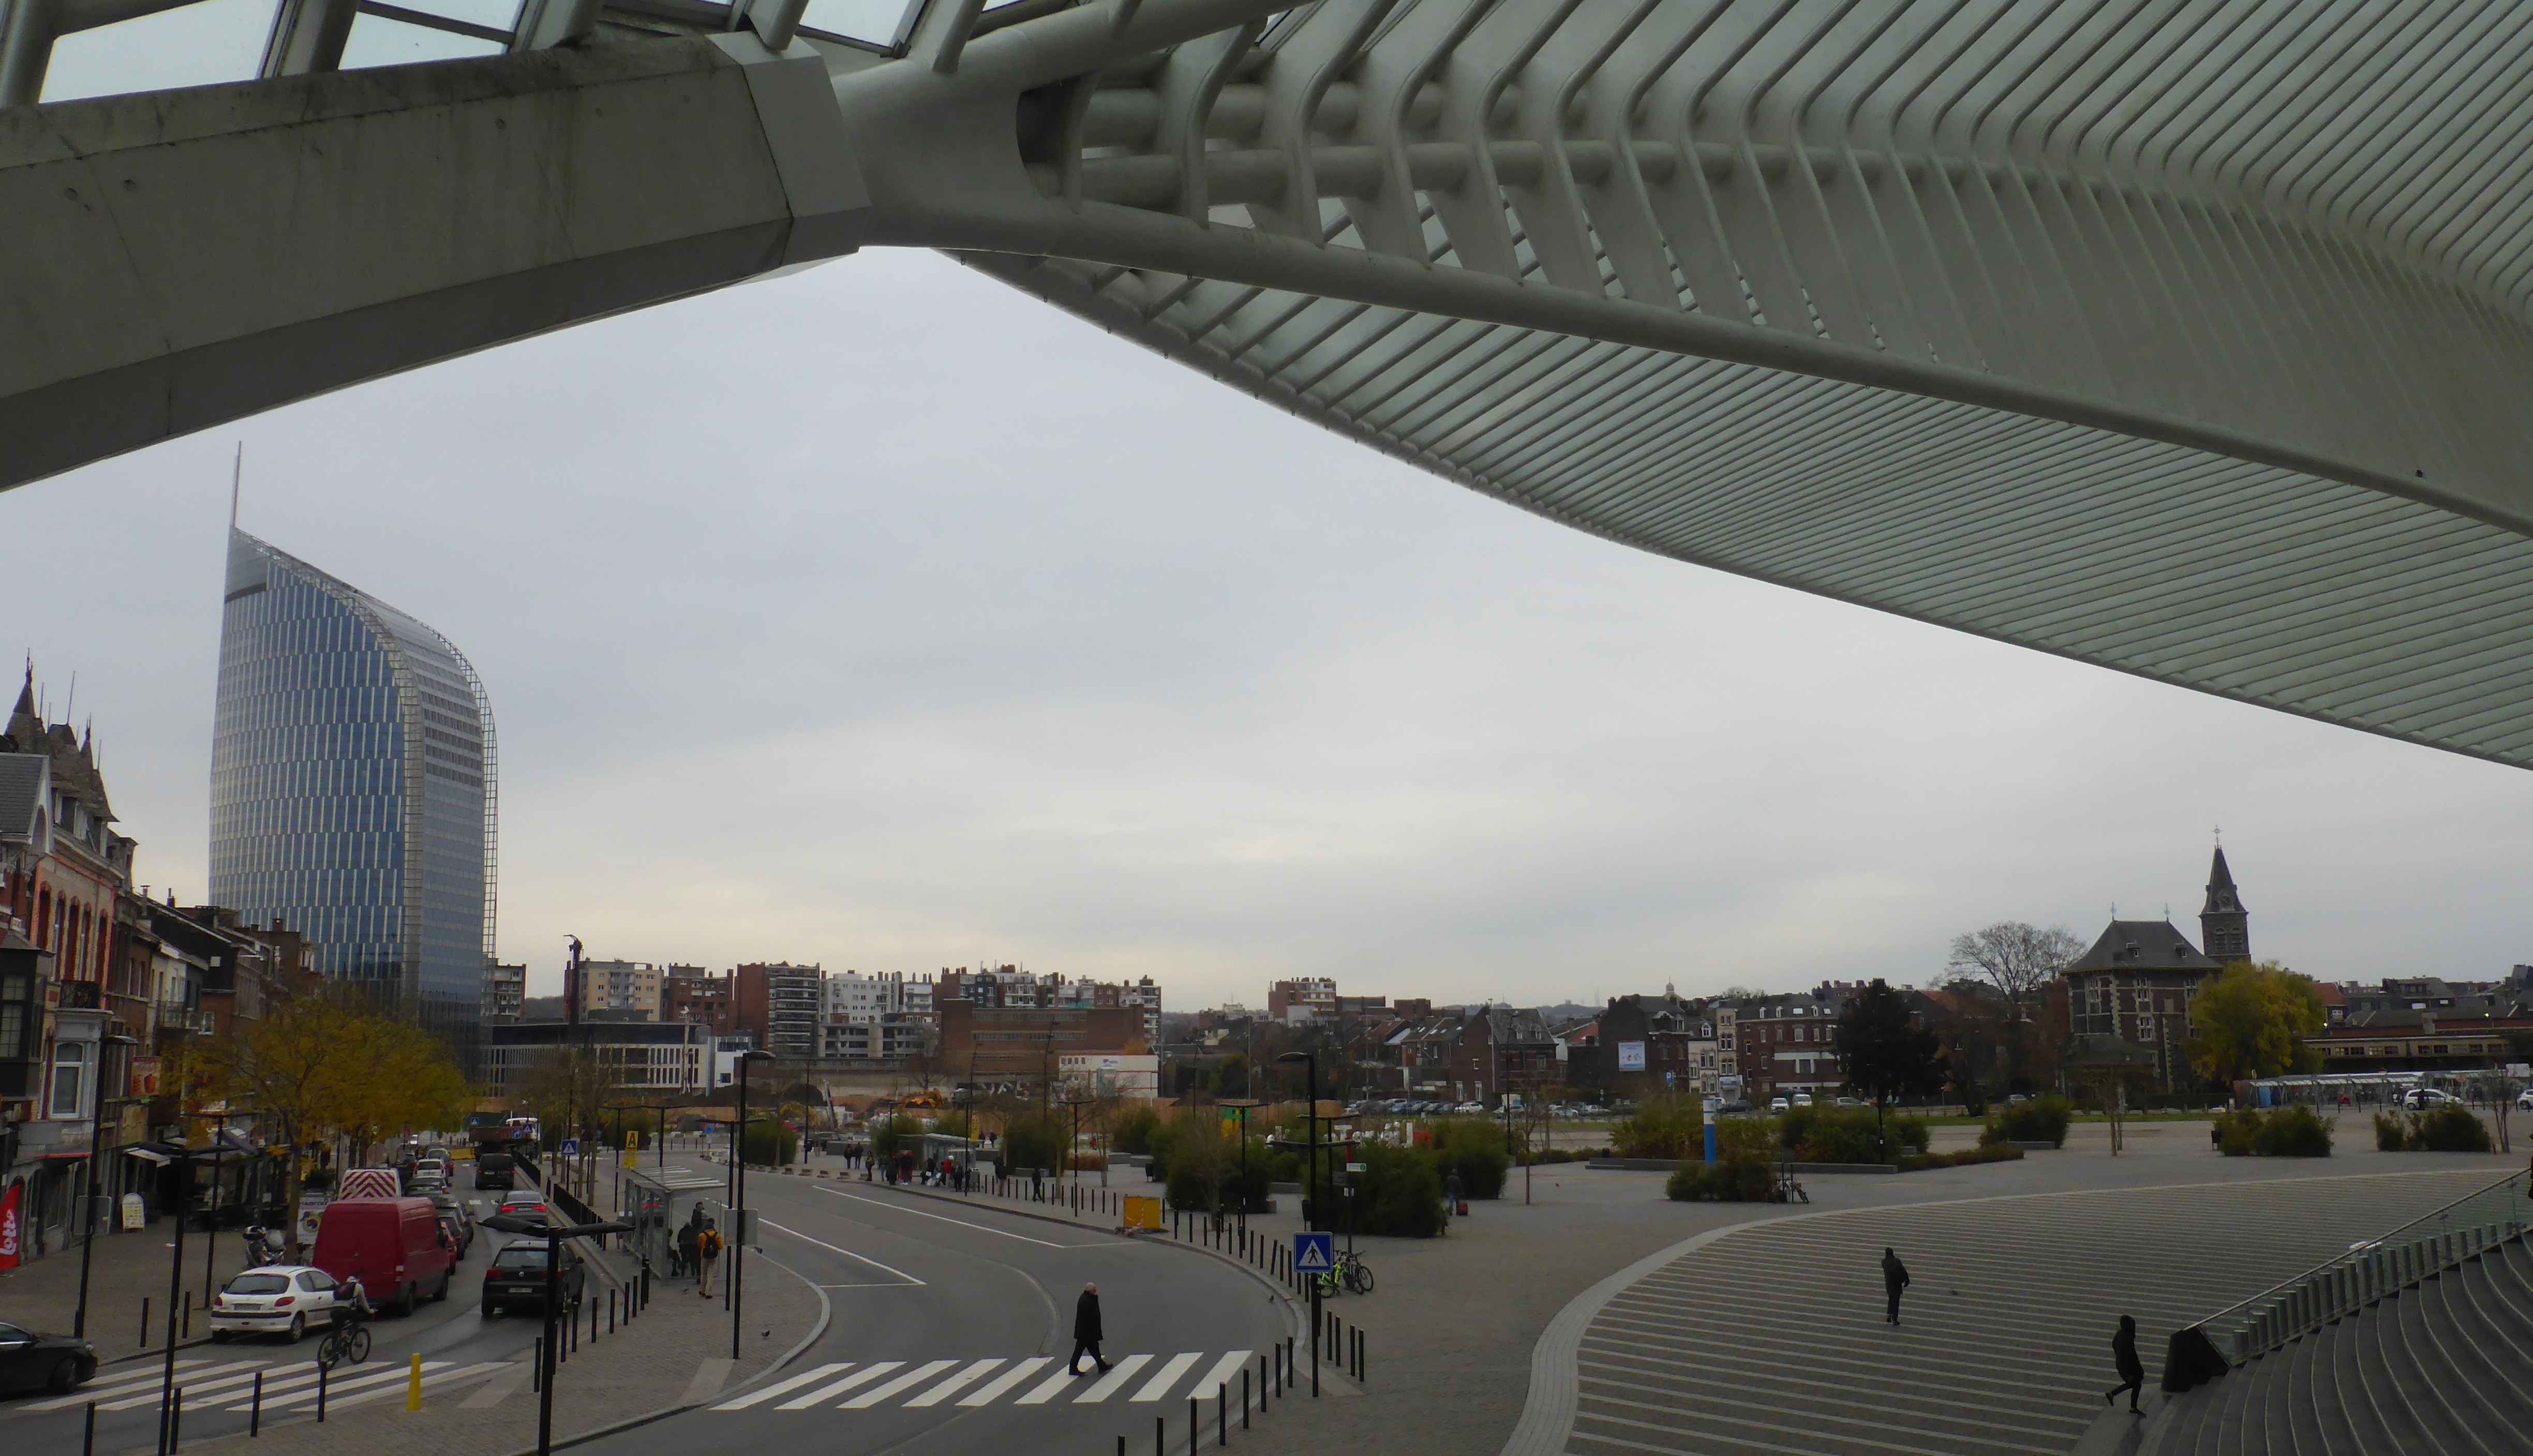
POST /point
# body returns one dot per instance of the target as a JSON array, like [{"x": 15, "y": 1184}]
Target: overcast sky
[{"x": 883, "y": 618}]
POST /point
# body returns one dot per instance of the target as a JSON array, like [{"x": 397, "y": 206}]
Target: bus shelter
[{"x": 659, "y": 1202}]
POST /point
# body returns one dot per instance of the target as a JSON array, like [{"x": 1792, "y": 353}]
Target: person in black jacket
[
  {"x": 2131, "y": 1369},
  {"x": 1895, "y": 1278},
  {"x": 1086, "y": 1331}
]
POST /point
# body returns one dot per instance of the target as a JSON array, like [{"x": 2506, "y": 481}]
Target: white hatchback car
[{"x": 276, "y": 1300}]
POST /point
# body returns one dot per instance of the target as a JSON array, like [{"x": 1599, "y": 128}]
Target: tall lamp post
[
  {"x": 1311, "y": 1180},
  {"x": 96, "y": 1171},
  {"x": 739, "y": 1201},
  {"x": 1240, "y": 1108},
  {"x": 1074, "y": 1106}
]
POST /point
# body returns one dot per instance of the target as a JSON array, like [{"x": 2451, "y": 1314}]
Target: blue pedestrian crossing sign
[
  {"x": 571, "y": 1147},
  {"x": 1313, "y": 1254}
]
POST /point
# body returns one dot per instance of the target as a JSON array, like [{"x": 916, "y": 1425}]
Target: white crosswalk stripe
[
  {"x": 1113, "y": 1382},
  {"x": 821, "y": 1395},
  {"x": 991, "y": 1391},
  {"x": 898, "y": 1386},
  {"x": 337, "y": 1388},
  {"x": 200, "y": 1387},
  {"x": 430, "y": 1382},
  {"x": 783, "y": 1387},
  {"x": 971, "y": 1383},
  {"x": 127, "y": 1383},
  {"x": 1158, "y": 1387},
  {"x": 954, "y": 1384}
]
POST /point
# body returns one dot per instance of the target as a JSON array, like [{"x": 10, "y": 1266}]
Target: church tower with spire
[{"x": 2224, "y": 926}]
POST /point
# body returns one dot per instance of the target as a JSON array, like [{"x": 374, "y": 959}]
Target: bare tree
[{"x": 2019, "y": 959}]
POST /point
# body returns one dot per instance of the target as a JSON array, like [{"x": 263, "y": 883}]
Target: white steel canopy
[{"x": 2187, "y": 337}]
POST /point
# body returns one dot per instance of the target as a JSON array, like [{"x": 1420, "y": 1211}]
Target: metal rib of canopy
[{"x": 2184, "y": 338}]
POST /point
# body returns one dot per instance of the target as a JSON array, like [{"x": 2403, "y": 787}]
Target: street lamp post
[
  {"x": 96, "y": 1169},
  {"x": 1074, "y": 1106},
  {"x": 1310, "y": 1182},
  {"x": 738, "y": 1203},
  {"x": 1240, "y": 1109}
]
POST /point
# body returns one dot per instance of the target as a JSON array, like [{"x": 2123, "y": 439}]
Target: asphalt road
[
  {"x": 457, "y": 1345},
  {"x": 951, "y": 1325}
]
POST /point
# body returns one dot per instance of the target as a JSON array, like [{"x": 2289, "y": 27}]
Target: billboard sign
[{"x": 1631, "y": 1056}]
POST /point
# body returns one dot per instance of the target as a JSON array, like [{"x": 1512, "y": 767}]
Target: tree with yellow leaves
[
  {"x": 2250, "y": 1021},
  {"x": 323, "y": 1063}
]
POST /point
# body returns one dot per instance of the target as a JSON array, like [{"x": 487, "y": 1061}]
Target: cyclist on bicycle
[{"x": 352, "y": 1305}]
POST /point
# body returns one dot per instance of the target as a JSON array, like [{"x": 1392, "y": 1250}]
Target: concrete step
[{"x": 2395, "y": 1366}]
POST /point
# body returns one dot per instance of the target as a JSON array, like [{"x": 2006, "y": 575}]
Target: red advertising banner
[{"x": 10, "y": 1203}]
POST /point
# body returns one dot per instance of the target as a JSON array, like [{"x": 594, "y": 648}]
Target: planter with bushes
[
  {"x": 2288, "y": 1132},
  {"x": 2446, "y": 1129},
  {"x": 2042, "y": 1120},
  {"x": 1922, "y": 1162}
]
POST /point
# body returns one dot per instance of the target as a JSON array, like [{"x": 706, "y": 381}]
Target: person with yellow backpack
[{"x": 707, "y": 1254}]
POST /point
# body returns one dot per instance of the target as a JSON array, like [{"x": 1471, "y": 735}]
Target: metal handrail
[{"x": 2371, "y": 1270}]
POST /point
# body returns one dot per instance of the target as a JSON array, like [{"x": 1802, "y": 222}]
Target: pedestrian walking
[
  {"x": 1086, "y": 1331},
  {"x": 1895, "y": 1278},
  {"x": 707, "y": 1254},
  {"x": 2132, "y": 1370},
  {"x": 687, "y": 1237},
  {"x": 1452, "y": 1193}
]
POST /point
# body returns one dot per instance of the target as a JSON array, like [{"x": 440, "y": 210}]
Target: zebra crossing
[
  {"x": 288, "y": 1386},
  {"x": 1033, "y": 1380}
]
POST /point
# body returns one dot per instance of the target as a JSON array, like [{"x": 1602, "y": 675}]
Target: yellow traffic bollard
[{"x": 413, "y": 1384}]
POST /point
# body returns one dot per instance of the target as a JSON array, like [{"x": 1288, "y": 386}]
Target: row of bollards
[{"x": 1272, "y": 1382}]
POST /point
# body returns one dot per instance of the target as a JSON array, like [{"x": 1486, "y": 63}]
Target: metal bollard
[
  {"x": 145, "y": 1321},
  {"x": 176, "y": 1422},
  {"x": 254, "y": 1409},
  {"x": 188, "y": 1322},
  {"x": 88, "y": 1441},
  {"x": 593, "y": 1314},
  {"x": 610, "y": 1312},
  {"x": 1159, "y": 1446},
  {"x": 1193, "y": 1426},
  {"x": 413, "y": 1384},
  {"x": 1243, "y": 1397},
  {"x": 1222, "y": 1413},
  {"x": 537, "y": 1369},
  {"x": 321, "y": 1392}
]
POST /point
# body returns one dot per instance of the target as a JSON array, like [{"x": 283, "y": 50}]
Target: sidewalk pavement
[
  {"x": 675, "y": 1355},
  {"x": 126, "y": 1268}
]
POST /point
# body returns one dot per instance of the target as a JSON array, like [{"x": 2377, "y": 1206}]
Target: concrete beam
[{"x": 178, "y": 259}]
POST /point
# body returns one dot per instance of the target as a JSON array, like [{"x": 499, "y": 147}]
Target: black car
[
  {"x": 494, "y": 1171},
  {"x": 516, "y": 1279},
  {"x": 60, "y": 1364}
]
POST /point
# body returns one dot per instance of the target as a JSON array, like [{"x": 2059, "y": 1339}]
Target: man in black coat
[
  {"x": 1895, "y": 1278},
  {"x": 1086, "y": 1331},
  {"x": 2131, "y": 1369}
]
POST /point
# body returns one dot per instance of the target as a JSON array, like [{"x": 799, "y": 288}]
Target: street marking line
[
  {"x": 951, "y": 1386},
  {"x": 198, "y": 1384},
  {"x": 820, "y": 1395},
  {"x": 784, "y": 1388},
  {"x": 1159, "y": 1385},
  {"x": 305, "y": 1399},
  {"x": 1108, "y": 1384},
  {"x": 987, "y": 1394},
  {"x": 119, "y": 1385},
  {"x": 428, "y": 1383},
  {"x": 847, "y": 1253},
  {"x": 1046, "y": 1392},
  {"x": 899, "y": 1386},
  {"x": 1223, "y": 1370},
  {"x": 944, "y": 1219}
]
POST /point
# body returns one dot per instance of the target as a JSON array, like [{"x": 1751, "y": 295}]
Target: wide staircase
[{"x": 2419, "y": 1343}]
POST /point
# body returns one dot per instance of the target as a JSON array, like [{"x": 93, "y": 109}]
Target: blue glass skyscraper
[{"x": 353, "y": 786}]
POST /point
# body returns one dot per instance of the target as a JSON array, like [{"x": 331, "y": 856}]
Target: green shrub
[
  {"x": 1398, "y": 1194},
  {"x": 2390, "y": 1136},
  {"x": 2448, "y": 1129},
  {"x": 770, "y": 1144},
  {"x": 1919, "y": 1162},
  {"x": 1137, "y": 1130},
  {"x": 2235, "y": 1132},
  {"x": 1846, "y": 1135},
  {"x": 1033, "y": 1142},
  {"x": 2040, "y": 1119},
  {"x": 2293, "y": 1132},
  {"x": 1738, "y": 1176},
  {"x": 1474, "y": 1149},
  {"x": 1662, "y": 1128}
]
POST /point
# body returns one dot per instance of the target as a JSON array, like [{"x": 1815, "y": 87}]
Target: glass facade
[{"x": 353, "y": 786}]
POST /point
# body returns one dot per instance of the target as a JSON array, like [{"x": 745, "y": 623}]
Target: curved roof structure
[{"x": 2186, "y": 337}]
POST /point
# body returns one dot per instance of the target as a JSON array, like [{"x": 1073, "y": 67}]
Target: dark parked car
[
  {"x": 516, "y": 1279},
  {"x": 29, "y": 1361}
]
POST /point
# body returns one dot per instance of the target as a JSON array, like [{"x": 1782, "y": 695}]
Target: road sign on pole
[
  {"x": 1313, "y": 1254},
  {"x": 571, "y": 1147}
]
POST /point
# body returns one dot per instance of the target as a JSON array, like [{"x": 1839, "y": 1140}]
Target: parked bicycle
[{"x": 1350, "y": 1275}]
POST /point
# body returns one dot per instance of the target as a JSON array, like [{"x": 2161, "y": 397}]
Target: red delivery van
[{"x": 395, "y": 1246}]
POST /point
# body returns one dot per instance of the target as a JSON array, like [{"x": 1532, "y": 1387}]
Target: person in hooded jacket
[
  {"x": 2131, "y": 1369},
  {"x": 1895, "y": 1278},
  {"x": 1086, "y": 1331}
]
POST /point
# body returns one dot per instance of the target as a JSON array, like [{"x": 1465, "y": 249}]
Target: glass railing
[{"x": 2369, "y": 1271}]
